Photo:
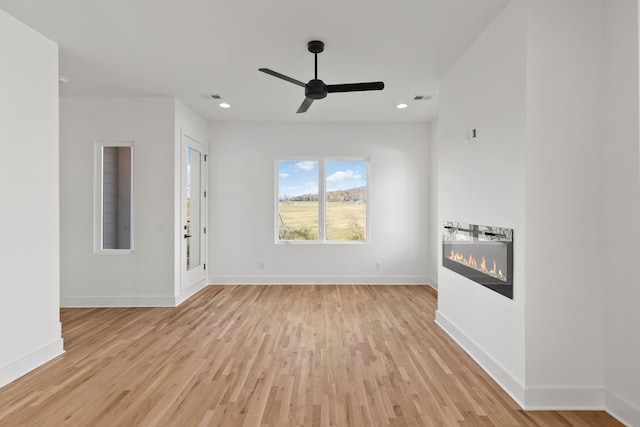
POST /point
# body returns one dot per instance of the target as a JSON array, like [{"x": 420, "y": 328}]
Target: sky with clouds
[{"x": 297, "y": 177}]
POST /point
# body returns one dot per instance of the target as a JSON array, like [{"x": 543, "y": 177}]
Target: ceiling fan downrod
[{"x": 315, "y": 47}]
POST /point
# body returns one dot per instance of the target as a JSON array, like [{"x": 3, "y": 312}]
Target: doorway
[{"x": 193, "y": 212}]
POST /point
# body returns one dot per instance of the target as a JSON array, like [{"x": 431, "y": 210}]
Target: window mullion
[{"x": 322, "y": 201}]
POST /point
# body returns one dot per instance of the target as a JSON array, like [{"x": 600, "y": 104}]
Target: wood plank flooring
[{"x": 268, "y": 356}]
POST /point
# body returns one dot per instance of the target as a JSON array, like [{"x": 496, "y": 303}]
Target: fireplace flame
[
  {"x": 471, "y": 262},
  {"x": 458, "y": 257}
]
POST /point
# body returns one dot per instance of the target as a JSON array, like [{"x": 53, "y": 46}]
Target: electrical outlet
[
  {"x": 378, "y": 265},
  {"x": 261, "y": 265}
]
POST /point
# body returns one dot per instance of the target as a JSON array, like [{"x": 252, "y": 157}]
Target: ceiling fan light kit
[{"x": 316, "y": 88}]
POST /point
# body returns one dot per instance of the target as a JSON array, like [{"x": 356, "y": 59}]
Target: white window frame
[
  {"x": 322, "y": 199},
  {"x": 98, "y": 197}
]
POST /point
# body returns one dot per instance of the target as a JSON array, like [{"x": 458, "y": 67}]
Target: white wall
[
  {"x": 622, "y": 211},
  {"x": 30, "y": 331},
  {"x": 482, "y": 182},
  {"x": 242, "y": 206},
  {"x": 145, "y": 277},
  {"x": 573, "y": 200},
  {"x": 564, "y": 253}
]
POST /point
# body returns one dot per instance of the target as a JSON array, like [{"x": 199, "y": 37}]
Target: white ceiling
[{"x": 188, "y": 48}]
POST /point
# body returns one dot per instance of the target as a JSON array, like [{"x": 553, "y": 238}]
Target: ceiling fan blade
[
  {"x": 282, "y": 76},
  {"x": 305, "y": 105},
  {"x": 355, "y": 87}
]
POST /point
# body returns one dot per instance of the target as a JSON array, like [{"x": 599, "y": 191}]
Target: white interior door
[{"x": 193, "y": 212}]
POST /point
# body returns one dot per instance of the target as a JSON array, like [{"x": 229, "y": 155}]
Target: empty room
[{"x": 287, "y": 213}]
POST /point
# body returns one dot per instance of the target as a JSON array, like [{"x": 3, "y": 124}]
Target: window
[
  {"x": 114, "y": 197},
  {"x": 346, "y": 200},
  {"x": 322, "y": 200}
]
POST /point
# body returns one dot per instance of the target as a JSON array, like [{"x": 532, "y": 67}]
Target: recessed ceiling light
[
  {"x": 64, "y": 79},
  {"x": 401, "y": 106},
  {"x": 225, "y": 105}
]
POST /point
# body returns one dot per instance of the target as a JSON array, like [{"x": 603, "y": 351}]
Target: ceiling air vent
[
  {"x": 422, "y": 97},
  {"x": 211, "y": 96}
]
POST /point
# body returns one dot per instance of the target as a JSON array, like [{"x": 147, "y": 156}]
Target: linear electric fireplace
[{"x": 481, "y": 253}]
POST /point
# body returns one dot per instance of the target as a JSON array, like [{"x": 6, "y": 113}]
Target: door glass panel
[{"x": 194, "y": 220}]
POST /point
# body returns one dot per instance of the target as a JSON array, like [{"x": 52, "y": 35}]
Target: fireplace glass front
[{"x": 481, "y": 253}]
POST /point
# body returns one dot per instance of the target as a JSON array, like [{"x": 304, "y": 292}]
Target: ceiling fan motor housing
[
  {"x": 315, "y": 46},
  {"x": 315, "y": 89}
]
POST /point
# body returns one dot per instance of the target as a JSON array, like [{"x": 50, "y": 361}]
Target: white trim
[
  {"x": 97, "y": 197},
  {"x": 432, "y": 282},
  {"x": 322, "y": 199},
  {"x": 529, "y": 398},
  {"x": 564, "y": 399},
  {"x": 117, "y": 301},
  {"x": 318, "y": 280},
  {"x": 31, "y": 361},
  {"x": 322, "y": 203},
  {"x": 620, "y": 409},
  {"x": 197, "y": 274},
  {"x": 183, "y": 296},
  {"x": 500, "y": 375},
  {"x": 113, "y": 251}
]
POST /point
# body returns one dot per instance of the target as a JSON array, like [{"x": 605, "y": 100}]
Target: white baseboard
[
  {"x": 173, "y": 301},
  {"x": 185, "y": 295},
  {"x": 620, "y": 409},
  {"x": 118, "y": 301},
  {"x": 31, "y": 361},
  {"x": 543, "y": 398},
  {"x": 318, "y": 280},
  {"x": 564, "y": 399},
  {"x": 500, "y": 375}
]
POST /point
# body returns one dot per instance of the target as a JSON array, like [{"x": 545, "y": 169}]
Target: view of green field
[{"x": 345, "y": 220}]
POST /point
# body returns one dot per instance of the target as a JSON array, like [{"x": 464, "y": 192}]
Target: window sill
[
  {"x": 113, "y": 252},
  {"x": 319, "y": 242}
]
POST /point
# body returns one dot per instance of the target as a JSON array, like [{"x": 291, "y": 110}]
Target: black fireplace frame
[{"x": 488, "y": 233}]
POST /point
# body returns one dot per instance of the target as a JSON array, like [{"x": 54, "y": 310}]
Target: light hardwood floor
[{"x": 268, "y": 356}]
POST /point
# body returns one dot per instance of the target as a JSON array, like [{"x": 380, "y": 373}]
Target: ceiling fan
[{"x": 317, "y": 89}]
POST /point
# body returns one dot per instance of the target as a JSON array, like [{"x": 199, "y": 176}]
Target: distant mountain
[{"x": 350, "y": 195}]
